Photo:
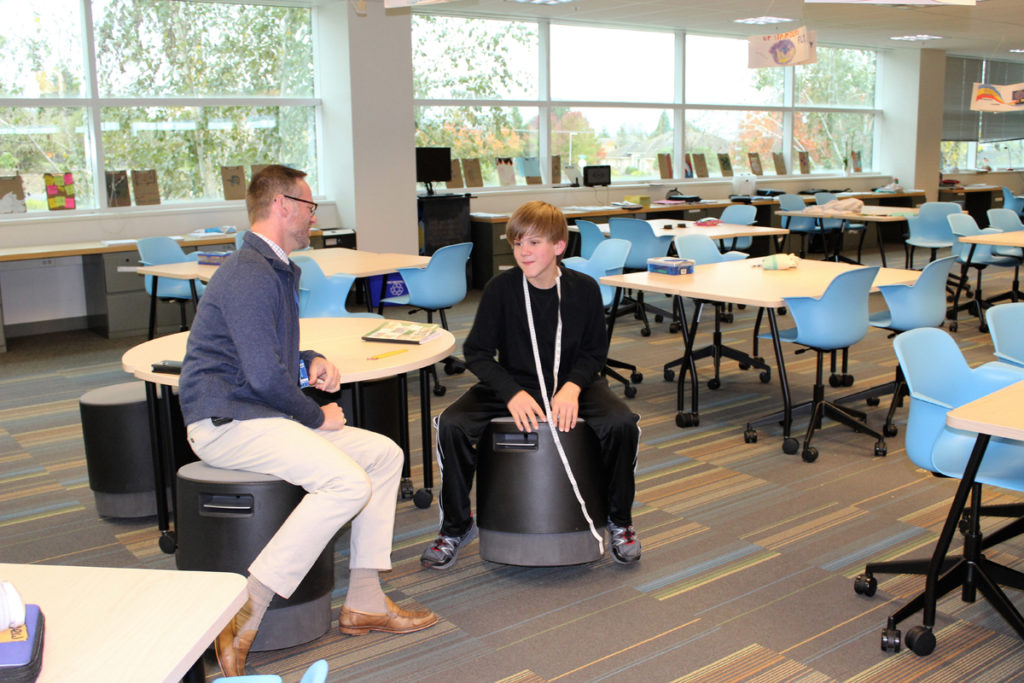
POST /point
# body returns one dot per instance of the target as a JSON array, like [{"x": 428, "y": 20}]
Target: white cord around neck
[{"x": 544, "y": 395}]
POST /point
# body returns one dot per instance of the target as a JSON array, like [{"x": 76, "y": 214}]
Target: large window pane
[
  {"x": 188, "y": 145},
  {"x": 162, "y": 49},
  {"x": 628, "y": 140},
  {"x": 41, "y": 49},
  {"x": 736, "y": 133},
  {"x": 611, "y": 65},
  {"x": 457, "y": 58},
  {"x": 38, "y": 140},
  {"x": 717, "y": 73},
  {"x": 829, "y": 137},
  {"x": 840, "y": 77},
  {"x": 484, "y": 133}
]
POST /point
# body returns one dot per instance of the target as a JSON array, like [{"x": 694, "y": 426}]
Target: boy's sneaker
[
  {"x": 625, "y": 544},
  {"x": 442, "y": 553}
]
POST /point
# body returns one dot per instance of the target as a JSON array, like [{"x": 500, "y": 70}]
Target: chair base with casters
[
  {"x": 979, "y": 304},
  {"x": 224, "y": 518},
  {"x": 527, "y": 512}
]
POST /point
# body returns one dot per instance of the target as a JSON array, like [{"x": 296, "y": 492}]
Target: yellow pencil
[{"x": 386, "y": 354}]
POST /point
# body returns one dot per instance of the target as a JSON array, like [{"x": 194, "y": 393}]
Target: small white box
[{"x": 670, "y": 265}]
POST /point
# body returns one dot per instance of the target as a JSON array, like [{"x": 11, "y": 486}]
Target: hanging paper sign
[
  {"x": 989, "y": 97},
  {"x": 782, "y": 49}
]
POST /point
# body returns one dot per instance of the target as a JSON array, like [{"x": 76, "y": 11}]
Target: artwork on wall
[
  {"x": 506, "y": 171},
  {"x": 471, "y": 173},
  {"x": 665, "y": 166},
  {"x": 118, "y": 193},
  {"x": 145, "y": 187},
  {"x": 556, "y": 169},
  {"x": 12, "y": 195},
  {"x": 60, "y": 191},
  {"x": 233, "y": 180},
  {"x": 456, "y": 180},
  {"x": 699, "y": 164},
  {"x": 805, "y": 161},
  {"x": 755, "y": 163},
  {"x": 725, "y": 163},
  {"x": 780, "y": 163}
]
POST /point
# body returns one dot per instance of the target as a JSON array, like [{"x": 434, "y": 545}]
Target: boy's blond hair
[{"x": 537, "y": 218}]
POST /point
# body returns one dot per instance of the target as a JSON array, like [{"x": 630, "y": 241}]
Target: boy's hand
[
  {"x": 565, "y": 406},
  {"x": 334, "y": 417},
  {"x": 323, "y": 375},
  {"x": 525, "y": 411}
]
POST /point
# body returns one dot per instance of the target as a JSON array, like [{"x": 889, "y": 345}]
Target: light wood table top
[
  {"x": 111, "y": 625},
  {"x": 363, "y": 263},
  {"x": 338, "y": 339},
  {"x": 590, "y": 211},
  {"x": 1014, "y": 238},
  {"x": 964, "y": 189},
  {"x": 997, "y": 414},
  {"x": 185, "y": 270},
  {"x": 745, "y": 282},
  {"x": 722, "y": 231},
  {"x": 878, "y": 214}
]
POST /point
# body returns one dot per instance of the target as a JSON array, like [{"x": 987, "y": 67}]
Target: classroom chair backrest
[
  {"x": 609, "y": 258},
  {"x": 158, "y": 251},
  {"x": 964, "y": 225},
  {"x": 921, "y": 304},
  {"x": 840, "y": 317},
  {"x": 1013, "y": 202},
  {"x": 795, "y": 202},
  {"x": 1005, "y": 219},
  {"x": 239, "y": 237},
  {"x": 700, "y": 248},
  {"x": 321, "y": 296},
  {"x": 1006, "y": 325},
  {"x": 442, "y": 283},
  {"x": 931, "y": 221},
  {"x": 739, "y": 214},
  {"x": 590, "y": 237},
  {"x": 644, "y": 244},
  {"x": 822, "y": 198}
]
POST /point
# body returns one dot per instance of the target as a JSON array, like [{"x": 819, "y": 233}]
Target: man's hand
[
  {"x": 565, "y": 406},
  {"x": 525, "y": 411},
  {"x": 334, "y": 416},
  {"x": 324, "y": 376}
]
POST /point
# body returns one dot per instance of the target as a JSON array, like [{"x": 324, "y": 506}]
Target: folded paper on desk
[
  {"x": 779, "y": 262},
  {"x": 404, "y": 332}
]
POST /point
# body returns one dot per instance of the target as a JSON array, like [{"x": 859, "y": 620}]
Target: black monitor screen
[{"x": 433, "y": 164}]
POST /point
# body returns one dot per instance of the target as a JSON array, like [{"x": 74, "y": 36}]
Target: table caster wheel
[
  {"x": 687, "y": 420},
  {"x": 847, "y": 380},
  {"x": 872, "y": 401},
  {"x": 658, "y": 318},
  {"x": 405, "y": 489},
  {"x": 636, "y": 377},
  {"x": 422, "y": 498},
  {"x": 835, "y": 381},
  {"x": 952, "y": 327},
  {"x": 890, "y": 430},
  {"x": 749, "y": 435},
  {"x": 168, "y": 544},
  {"x": 880, "y": 449},
  {"x": 629, "y": 390},
  {"x": 921, "y": 640},
  {"x": 674, "y": 327},
  {"x": 669, "y": 375},
  {"x": 865, "y": 584},
  {"x": 714, "y": 383},
  {"x": 440, "y": 389},
  {"x": 809, "y": 454},
  {"x": 790, "y": 446},
  {"x": 765, "y": 376},
  {"x": 891, "y": 640},
  {"x": 646, "y": 332}
]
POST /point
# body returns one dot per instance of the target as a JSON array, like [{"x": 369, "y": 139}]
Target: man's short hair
[
  {"x": 267, "y": 184},
  {"x": 537, "y": 218}
]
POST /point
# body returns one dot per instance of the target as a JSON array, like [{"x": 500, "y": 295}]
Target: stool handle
[
  {"x": 212, "y": 504},
  {"x": 515, "y": 441}
]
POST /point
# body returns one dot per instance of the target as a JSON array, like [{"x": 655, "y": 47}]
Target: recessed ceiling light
[
  {"x": 920, "y": 36},
  {"x": 1017, "y": 49},
  {"x": 760, "y": 21}
]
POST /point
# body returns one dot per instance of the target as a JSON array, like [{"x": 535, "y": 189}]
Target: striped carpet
[{"x": 748, "y": 560}]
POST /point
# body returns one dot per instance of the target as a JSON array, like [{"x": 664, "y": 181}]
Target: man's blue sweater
[{"x": 242, "y": 359}]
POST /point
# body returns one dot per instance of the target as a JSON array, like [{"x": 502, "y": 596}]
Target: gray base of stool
[
  {"x": 293, "y": 625},
  {"x": 141, "y": 504},
  {"x": 540, "y": 550}
]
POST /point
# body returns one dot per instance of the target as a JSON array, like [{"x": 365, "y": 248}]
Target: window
[
  {"x": 208, "y": 84},
  {"x": 737, "y": 133},
  {"x": 730, "y": 81},
  {"x": 830, "y": 137}
]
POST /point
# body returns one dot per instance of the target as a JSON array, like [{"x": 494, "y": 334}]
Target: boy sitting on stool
[{"x": 567, "y": 331}]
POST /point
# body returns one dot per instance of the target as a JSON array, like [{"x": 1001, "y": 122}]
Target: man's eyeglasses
[{"x": 313, "y": 205}]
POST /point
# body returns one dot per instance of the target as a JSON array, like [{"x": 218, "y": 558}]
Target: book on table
[{"x": 404, "y": 332}]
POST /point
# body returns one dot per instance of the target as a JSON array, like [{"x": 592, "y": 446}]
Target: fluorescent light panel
[
  {"x": 920, "y": 36},
  {"x": 760, "y": 21}
]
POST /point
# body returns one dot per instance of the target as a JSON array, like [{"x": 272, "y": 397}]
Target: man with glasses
[{"x": 242, "y": 401}]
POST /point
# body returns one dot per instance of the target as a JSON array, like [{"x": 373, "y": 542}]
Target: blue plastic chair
[
  {"x": 797, "y": 225},
  {"x": 239, "y": 238},
  {"x": 1005, "y": 219},
  {"x": 316, "y": 673},
  {"x": 440, "y": 285},
  {"x": 644, "y": 244},
  {"x": 1006, "y": 325},
  {"x": 158, "y": 251},
  {"x": 930, "y": 229},
  {"x": 940, "y": 380},
  {"x": 590, "y": 237},
  {"x": 739, "y": 214},
  {"x": 1013, "y": 202},
  {"x": 609, "y": 258},
  {"x": 321, "y": 296},
  {"x": 984, "y": 255},
  {"x": 836, "y": 224},
  {"x": 834, "y": 322}
]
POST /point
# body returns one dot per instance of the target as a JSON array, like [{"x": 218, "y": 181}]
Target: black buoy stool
[
  {"x": 526, "y": 509},
  {"x": 224, "y": 518},
  {"x": 118, "y": 450}
]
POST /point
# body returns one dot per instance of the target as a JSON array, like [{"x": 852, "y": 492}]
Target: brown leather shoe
[
  {"x": 232, "y": 649},
  {"x": 395, "y": 620}
]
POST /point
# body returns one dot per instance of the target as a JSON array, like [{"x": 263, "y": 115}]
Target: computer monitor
[
  {"x": 597, "y": 175},
  {"x": 433, "y": 164}
]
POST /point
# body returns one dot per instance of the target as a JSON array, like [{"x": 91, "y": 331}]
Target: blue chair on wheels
[
  {"x": 835, "y": 225},
  {"x": 1006, "y": 325},
  {"x": 909, "y": 307},
  {"x": 1013, "y": 202},
  {"x": 940, "y": 380},
  {"x": 644, "y": 244},
  {"x": 321, "y": 296},
  {"x": 738, "y": 214},
  {"x": 590, "y": 237},
  {"x": 984, "y": 255},
  {"x": 833, "y": 323},
  {"x": 439, "y": 286},
  {"x": 608, "y": 258},
  {"x": 797, "y": 225},
  {"x": 158, "y": 251},
  {"x": 930, "y": 229}
]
